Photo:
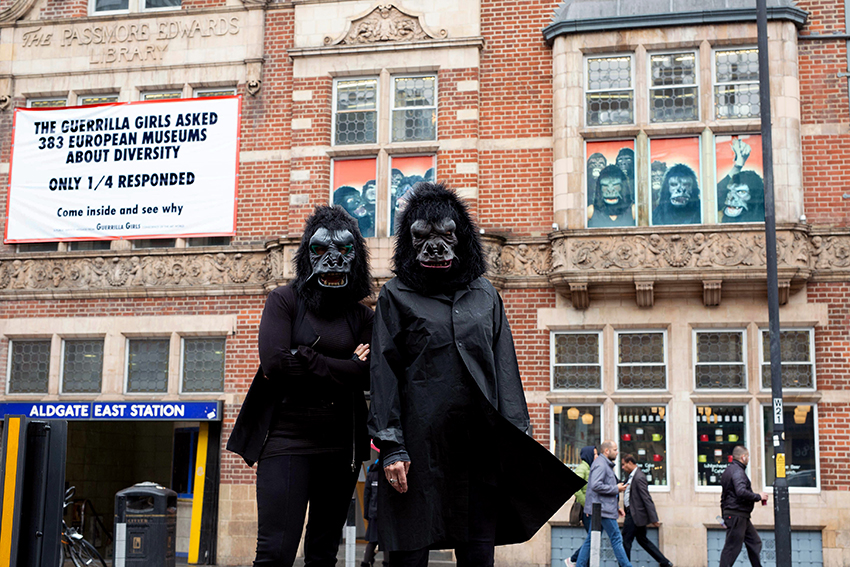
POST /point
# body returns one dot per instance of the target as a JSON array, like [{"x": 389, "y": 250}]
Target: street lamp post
[{"x": 781, "y": 508}]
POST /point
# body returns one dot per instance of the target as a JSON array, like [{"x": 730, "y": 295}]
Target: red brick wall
[
  {"x": 64, "y": 9},
  {"x": 515, "y": 191}
]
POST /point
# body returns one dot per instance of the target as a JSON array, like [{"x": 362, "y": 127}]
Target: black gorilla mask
[
  {"x": 331, "y": 256},
  {"x": 434, "y": 243}
]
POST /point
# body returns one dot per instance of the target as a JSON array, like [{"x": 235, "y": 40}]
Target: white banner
[{"x": 127, "y": 170}]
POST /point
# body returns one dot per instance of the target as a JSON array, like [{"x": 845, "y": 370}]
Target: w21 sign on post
[{"x": 124, "y": 170}]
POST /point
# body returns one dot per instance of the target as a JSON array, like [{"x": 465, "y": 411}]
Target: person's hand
[
  {"x": 622, "y": 487},
  {"x": 764, "y": 496},
  {"x": 742, "y": 151},
  {"x": 396, "y": 474},
  {"x": 362, "y": 352},
  {"x": 621, "y": 512},
  {"x": 655, "y": 524}
]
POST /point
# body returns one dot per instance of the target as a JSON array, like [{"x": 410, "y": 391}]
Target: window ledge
[{"x": 334, "y": 50}]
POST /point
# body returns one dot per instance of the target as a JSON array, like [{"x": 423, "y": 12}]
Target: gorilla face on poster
[
  {"x": 612, "y": 202},
  {"x": 744, "y": 200},
  {"x": 595, "y": 164},
  {"x": 679, "y": 200},
  {"x": 350, "y": 199}
]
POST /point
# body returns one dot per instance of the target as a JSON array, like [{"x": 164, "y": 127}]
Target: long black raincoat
[{"x": 446, "y": 388}]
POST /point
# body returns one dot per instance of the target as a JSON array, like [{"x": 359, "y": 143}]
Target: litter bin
[{"x": 145, "y": 524}]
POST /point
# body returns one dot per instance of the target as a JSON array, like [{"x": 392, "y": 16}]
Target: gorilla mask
[
  {"x": 331, "y": 255},
  {"x": 681, "y": 189},
  {"x": 435, "y": 243},
  {"x": 737, "y": 200}
]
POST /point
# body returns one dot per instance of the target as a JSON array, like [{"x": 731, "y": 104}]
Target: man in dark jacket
[
  {"x": 604, "y": 488},
  {"x": 640, "y": 512},
  {"x": 736, "y": 502},
  {"x": 449, "y": 413}
]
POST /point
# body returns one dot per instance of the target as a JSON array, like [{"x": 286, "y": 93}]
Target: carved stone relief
[{"x": 386, "y": 23}]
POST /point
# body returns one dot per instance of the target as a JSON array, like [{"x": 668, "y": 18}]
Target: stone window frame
[
  {"x": 620, "y": 405},
  {"x": 748, "y": 440},
  {"x": 553, "y": 357},
  {"x": 565, "y": 406},
  {"x": 62, "y": 363},
  {"x": 133, "y": 6},
  {"x": 791, "y": 489},
  {"x": 181, "y": 371},
  {"x": 744, "y": 359},
  {"x": 811, "y": 362},
  {"x": 649, "y": 88},
  {"x": 665, "y": 363},
  {"x": 9, "y": 357}
]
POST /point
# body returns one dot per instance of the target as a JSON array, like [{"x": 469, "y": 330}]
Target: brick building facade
[{"x": 651, "y": 333}]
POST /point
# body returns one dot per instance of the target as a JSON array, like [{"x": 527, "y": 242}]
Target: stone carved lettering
[{"x": 383, "y": 24}]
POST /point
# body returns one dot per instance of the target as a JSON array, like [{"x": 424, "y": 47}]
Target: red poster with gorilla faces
[
  {"x": 610, "y": 178},
  {"x": 740, "y": 182},
  {"x": 405, "y": 173},
  {"x": 354, "y": 190},
  {"x": 674, "y": 172}
]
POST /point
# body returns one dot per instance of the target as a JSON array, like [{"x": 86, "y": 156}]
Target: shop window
[
  {"x": 673, "y": 90},
  {"x": 642, "y": 432},
  {"x": 82, "y": 366},
  {"x": 609, "y": 92},
  {"x": 719, "y": 430},
  {"x": 736, "y": 83},
  {"x": 798, "y": 368},
  {"x": 28, "y": 366},
  {"x": 575, "y": 427},
  {"x": 414, "y": 109},
  {"x": 55, "y": 102},
  {"x": 88, "y": 100},
  {"x": 577, "y": 361},
  {"x": 183, "y": 461},
  {"x": 203, "y": 365},
  {"x": 206, "y": 93},
  {"x": 801, "y": 459},
  {"x": 719, "y": 360},
  {"x": 355, "y": 111},
  {"x": 90, "y": 245},
  {"x": 147, "y": 365},
  {"x": 162, "y": 95},
  {"x": 641, "y": 360}
]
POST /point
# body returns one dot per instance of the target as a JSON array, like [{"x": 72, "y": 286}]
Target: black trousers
[
  {"x": 285, "y": 485},
  {"x": 632, "y": 532},
  {"x": 740, "y": 531},
  {"x": 479, "y": 550}
]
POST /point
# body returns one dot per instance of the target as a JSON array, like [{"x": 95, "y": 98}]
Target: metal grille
[
  {"x": 577, "y": 364},
  {"x": 203, "y": 365},
  {"x": 30, "y": 365},
  {"x": 796, "y": 355},
  {"x": 356, "y": 112},
  {"x": 720, "y": 360},
  {"x": 147, "y": 365},
  {"x": 82, "y": 367},
  {"x": 415, "y": 109},
  {"x": 609, "y": 96},
  {"x": 736, "y": 89},
  {"x": 673, "y": 89},
  {"x": 641, "y": 362}
]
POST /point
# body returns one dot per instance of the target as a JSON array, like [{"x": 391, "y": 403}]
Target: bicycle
[{"x": 74, "y": 545}]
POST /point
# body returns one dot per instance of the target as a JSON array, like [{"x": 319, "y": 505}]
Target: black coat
[
  {"x": 641, "y": 506},
  {"x": 446, "y": 388},
  {"x": 303, "y": 376},
  {"x": 737, "y": 497}
]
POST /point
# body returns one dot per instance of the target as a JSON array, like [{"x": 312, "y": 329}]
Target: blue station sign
[{"x": 116, "y": 411}]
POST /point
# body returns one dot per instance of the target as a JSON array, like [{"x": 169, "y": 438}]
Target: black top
[{"x": 737, "y": 497}]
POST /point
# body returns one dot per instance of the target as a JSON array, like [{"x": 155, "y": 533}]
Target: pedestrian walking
[
  {"x": 640, "y": 512},
  {"x": 603, "y": 487},
  {"x": 587, "y": 454},
  {"x": 736, "y": 502}
]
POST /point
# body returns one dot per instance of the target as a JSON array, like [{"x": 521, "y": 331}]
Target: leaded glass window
[
  {"x": 641, "y": 361},
  {"x": 577, "y": 361},
  {"x": 736, "y": 83},
  {"x": 82, "y": 366},
  {"x": 205, "y": 93},
  {"x": 719, "y": 360},
  {"x": 609, "y": 93},
  {"x": 165, "y": 95},
  {"x": 160, "y": 4},
  {"x": 47, "y": 103},
  {"x": 356, "y": 112},
  {"x": 414, "y": 109},
  {"x": 111, "y": 5},
  {"x": 88, "y": 100},
  {"x": 147, "y": 365},
  {"x": 203, "y": 365},
  {"x": 29, "y": 366},
  {"x": 796, "y": 347},
  {"x": 673, "y": 92}
]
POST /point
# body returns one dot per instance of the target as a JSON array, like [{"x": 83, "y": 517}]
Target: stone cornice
[{"x": 645, "y": 262}]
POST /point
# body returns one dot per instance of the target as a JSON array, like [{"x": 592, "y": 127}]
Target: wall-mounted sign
[
  {"x": 116, "y": 411},
  {"x": 125, "y": 170}
]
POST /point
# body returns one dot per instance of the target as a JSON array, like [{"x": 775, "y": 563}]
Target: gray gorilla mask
[
  {"x": 737, "y": 200},
  {"x": 434, "y": 243},
  {"x": 680, "y": 190},
  {"x": 331, "y": 256}
]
